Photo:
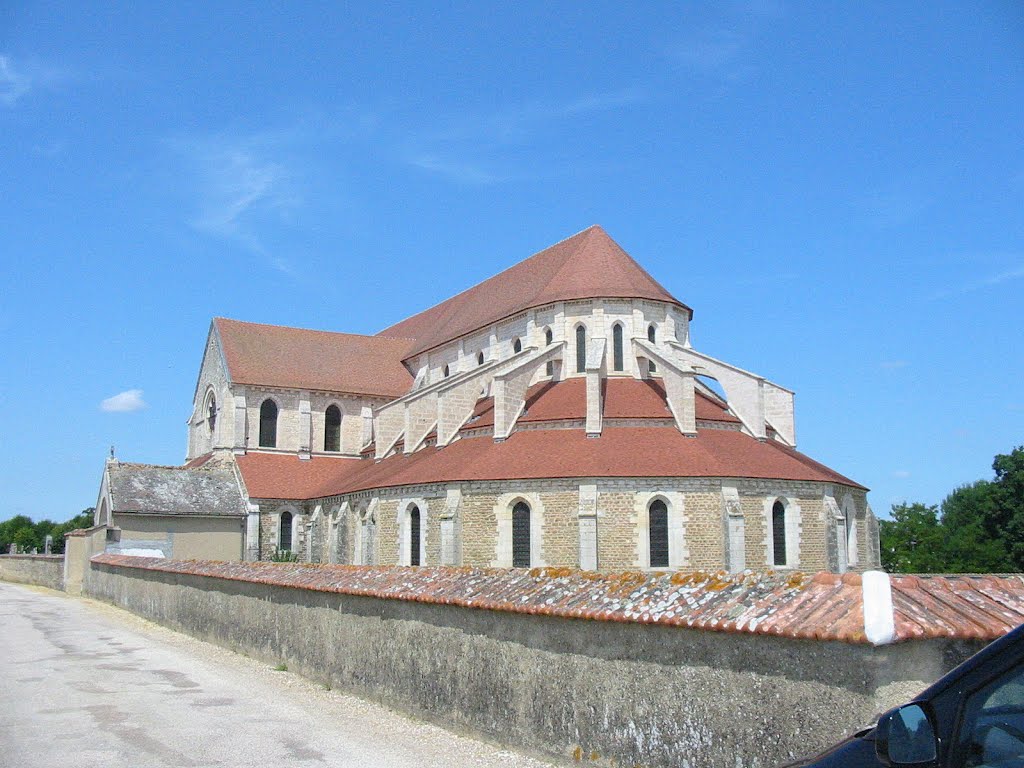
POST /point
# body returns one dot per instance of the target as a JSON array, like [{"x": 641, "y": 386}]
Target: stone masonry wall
[
  {"x": 620, "y": 523},
  {"x": 41, "y": 570},
  {"x": 623, "y": 693}
]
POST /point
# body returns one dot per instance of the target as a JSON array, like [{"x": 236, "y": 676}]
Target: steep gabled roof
[
  {"x": 296, "y": 358},
  {"x": 587, "y": 265}
]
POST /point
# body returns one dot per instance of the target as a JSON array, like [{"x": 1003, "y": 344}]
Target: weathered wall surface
[
  {"x": 617, "y": 693},
  {"x": 41, "y": 570},
  {"x": 209, "y": 538}
]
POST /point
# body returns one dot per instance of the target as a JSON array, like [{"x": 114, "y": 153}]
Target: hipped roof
[
  {"x": 585, "y": 266},
  {"x": 297, "y": 358},
  {"x": 539, "y": 454}
]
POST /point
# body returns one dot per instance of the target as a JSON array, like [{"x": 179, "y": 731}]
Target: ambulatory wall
[{"x": 617, "y": 692}]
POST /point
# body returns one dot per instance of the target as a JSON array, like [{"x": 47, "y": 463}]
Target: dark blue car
[{"x": 972, "y": 718}]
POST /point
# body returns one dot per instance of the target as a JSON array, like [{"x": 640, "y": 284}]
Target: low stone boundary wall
[
  {"x": 41, "y": 570},
  {"x": 529, "y": 660}
]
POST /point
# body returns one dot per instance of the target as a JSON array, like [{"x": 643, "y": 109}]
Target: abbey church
[{"x": 556, "y": 414}]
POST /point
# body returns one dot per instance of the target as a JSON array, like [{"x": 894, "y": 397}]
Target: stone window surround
[
  {"x": 793, "y": 532},
  {"x": 405, "y": 530},
  {"x": 849, "y": 509},
  {"x": 678, "y": 553},
  {"x": 296, "y": 521},
  {"x": 277, "y": 422},
  {"x": 503, "y": 520}
]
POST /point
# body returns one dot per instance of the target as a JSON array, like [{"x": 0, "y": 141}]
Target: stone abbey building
[{"x": 556, "y": 414}]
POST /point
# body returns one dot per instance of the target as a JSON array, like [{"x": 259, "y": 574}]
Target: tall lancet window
[
  {"x": 617, "y": 347},
  {"x": 268, "y": 424},
  {"x": 332, "y": 428},
  {"x": 652, "y": 337},
  {"x": 581, "y": 348}
]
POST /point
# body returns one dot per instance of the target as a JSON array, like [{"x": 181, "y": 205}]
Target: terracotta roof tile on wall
[
  {"x": 296, "y": 358},
  {"x": 794, "y": 605},
  {"x": 587, "y": 265},
  {"x": 538, "y": 454}
]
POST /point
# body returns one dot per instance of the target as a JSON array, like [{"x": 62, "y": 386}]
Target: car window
[{"x": 992, "y": 729}]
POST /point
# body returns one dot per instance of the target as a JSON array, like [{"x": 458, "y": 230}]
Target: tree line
[
  {"x": 978, "y": 528},
  {"x": 27, "y": 535}
]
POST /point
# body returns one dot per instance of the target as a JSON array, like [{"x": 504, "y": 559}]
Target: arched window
[
  {"x": 778, "y": 533},
  {"x": 658, "y": 532},
  {"x": 284, "y": 534},
  {"x": 446, "y": 371},
  {"x": 617, "y": 347},
  {"x": 652, "y": 337},
  {"x": 480, "y": 358},
  {"x": 268, "y": 424},
  {"x": 548, "y": 338},
  {"x": 521, "y": 535},
  {"x": 581, "y": 348},
  {"x": 517, "y": 346},
  {"x": 211, "y": 412},
  {"x": 414, "y": 536},
  {"x": 332, "y": 428}
]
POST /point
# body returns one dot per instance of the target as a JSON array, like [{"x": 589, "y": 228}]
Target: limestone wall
[
  {"x": 616, "y": 513},
  {"x": 620, "y": 693},
  {"x": 41, "y": 570}
]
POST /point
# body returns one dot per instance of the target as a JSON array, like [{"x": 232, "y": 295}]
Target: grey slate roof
[{"x": 174, "y": 491}]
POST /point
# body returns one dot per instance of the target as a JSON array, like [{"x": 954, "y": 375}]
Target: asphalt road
[{"x": 84, "y": 684}]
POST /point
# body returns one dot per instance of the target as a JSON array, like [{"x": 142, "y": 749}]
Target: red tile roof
[
  {"x": 286, "y": 476},
  {"x": 587, "y": 265},
  {"x": 296, "y": 358},
  {"x": 539, "y": 454},
  {"x": 818, "y": 607},
  {"x": 624, "y": 398}
]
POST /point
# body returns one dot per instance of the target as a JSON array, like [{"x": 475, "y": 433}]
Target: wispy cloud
[
  {"x": 240, "y": 184},
  {"x": 463, "y": 173},
  {"x": 22, "y": 77},
  {"x": 473, "y": 149},
  {"x": 716, "y": 52},
  {"x": 988, "y": 281},
  {"x": 894, "y": 205},
  {"x": 124, "y": 402},
  {"x": 13, "y": 83},
  {"x": 892, "y": 365}
]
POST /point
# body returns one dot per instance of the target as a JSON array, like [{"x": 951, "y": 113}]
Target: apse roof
[
  {"x": 297, "y": 358},
  {"x": 587, "y": 265},
  {"x": 539, "y": 454}
]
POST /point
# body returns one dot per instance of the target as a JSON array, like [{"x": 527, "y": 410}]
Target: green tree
[
  {"x": 8, "y": 529},
  {"x": 978, "y": 529},
  {"x": 912, "y": 542},
  {"x": 21, "y": 530}
]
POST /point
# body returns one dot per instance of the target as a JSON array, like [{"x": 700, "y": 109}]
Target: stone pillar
[
  {"x": 588, "y": 527},
  {"x": 252, "y": 533},
  {"x": 241, "y": 417},
  {"x": 305, "y": 426}
]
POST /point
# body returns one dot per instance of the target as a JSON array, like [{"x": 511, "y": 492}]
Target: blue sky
[{"x": 837, "y": 190}]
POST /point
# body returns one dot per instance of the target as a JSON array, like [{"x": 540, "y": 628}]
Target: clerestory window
[
  {"x": 332, "y": 428},
  {"x": 268, "y": 424}
]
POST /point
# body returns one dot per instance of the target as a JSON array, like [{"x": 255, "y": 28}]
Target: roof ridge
[
  {"x": 477, "y": 284},
  {"x": 313, "y": 330}
]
